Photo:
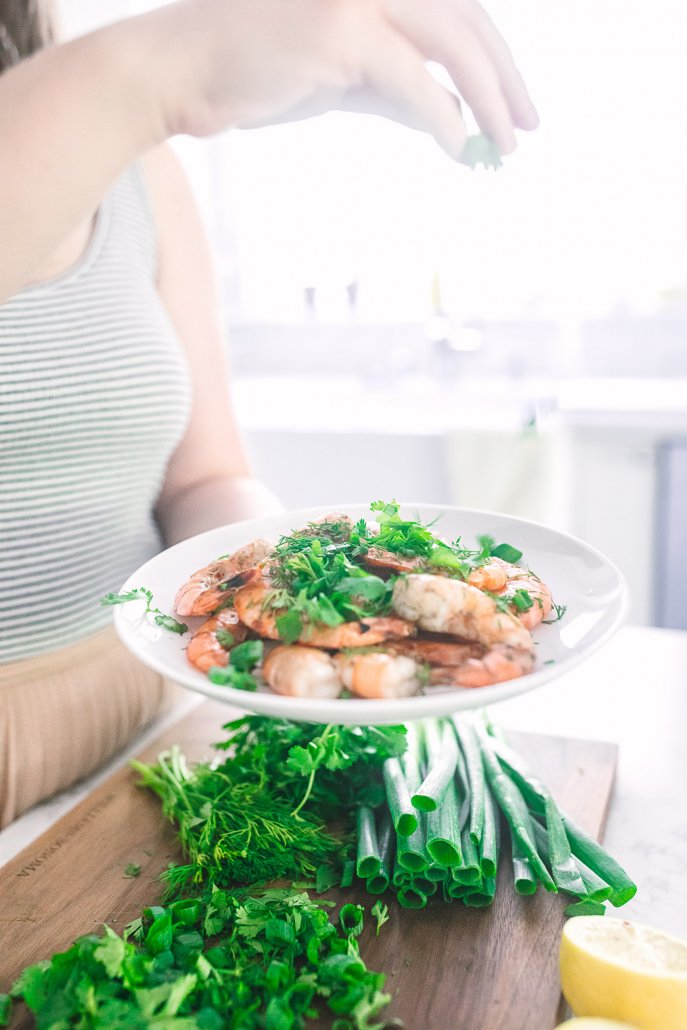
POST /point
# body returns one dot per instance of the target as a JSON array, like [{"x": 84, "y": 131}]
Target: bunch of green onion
[{"x": 452, "y": 799}]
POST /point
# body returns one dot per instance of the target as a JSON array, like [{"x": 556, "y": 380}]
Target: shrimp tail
[{"x": 204, "y": 649}]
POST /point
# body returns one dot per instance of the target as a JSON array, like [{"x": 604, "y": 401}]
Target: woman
[{"x": 116, "y": 434}]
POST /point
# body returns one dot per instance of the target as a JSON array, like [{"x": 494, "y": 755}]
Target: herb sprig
[
  {"x": 141, "y": 594},
  {"x": 261, "y": 814}
]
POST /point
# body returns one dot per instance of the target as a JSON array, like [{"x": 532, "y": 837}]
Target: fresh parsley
[
  {"x": 272, "y": 959},
  {"x": 141, "y": 594}
]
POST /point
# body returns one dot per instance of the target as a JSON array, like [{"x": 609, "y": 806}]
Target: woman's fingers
[
  {"x": 397, "y": 72},
  {"x": 512, "y": 83},
  {"x": 453, "y": 33}
]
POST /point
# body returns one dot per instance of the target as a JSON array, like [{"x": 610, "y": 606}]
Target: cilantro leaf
[
  {"x": 289, "y": 627},
  {"x": 167, "y": 622},
  {"x": 228, "y": 676},
  {"x": 381, "y": 913},
  {"x": 246, "y": 656},
  {"x": 139, "y": 594},
  {"x": 110, "y": 952}
]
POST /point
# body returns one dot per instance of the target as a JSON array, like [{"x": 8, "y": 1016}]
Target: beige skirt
[{"x": 64, "y": 714}]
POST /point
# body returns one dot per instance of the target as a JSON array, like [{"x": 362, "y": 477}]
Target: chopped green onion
[
  {"x": 583, "y": 847},
  {"x": 563, "y": 865},
  {"x": 368, "y": 858},
  {"x": 489, "y": 848},
  {"x": 484, "y": 896},
  {"x": 512, "y": 805},
  {"x": 378, "y": 883},
  {"x": 523, "y": 877},
  {"x": 442, "y": 755},
  {"x": 585, "y": 907},
  {"x": 424, "y": 885},
  {"x": 522, "y": 600},
  {"x": 409, "y": 897},
  {"x": 470, "y": 871},
  {"x": 403, "y": 815},
  {"x": 506, "y": 553},
  {"x": 474, "y": 771},
  {"x": 410, "y": 851},
  {"x": 436, "y": 873},
  {"x": 443, "y": 830},
  {"x": 600, "y": 862},
  {"x": 347, "y": 873}
]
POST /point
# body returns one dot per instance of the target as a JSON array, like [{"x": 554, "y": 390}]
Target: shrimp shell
[
  {"x": 443, "y": 605},
  {"x": 299, "y": 671},
  {"x": 204, "y": 649},
  {"x": 203, "y": 592},
  {"x": 379, "y": 675},
  {"x": 449, "y": 653},
  {"x": 538, "y": 591},
  {"x": 496, "y": 666}
]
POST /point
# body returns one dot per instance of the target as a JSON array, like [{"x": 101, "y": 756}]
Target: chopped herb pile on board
[{"x": 220, "y": 961}]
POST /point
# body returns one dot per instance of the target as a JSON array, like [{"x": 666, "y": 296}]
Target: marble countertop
[{"x": 634, "y": 693}]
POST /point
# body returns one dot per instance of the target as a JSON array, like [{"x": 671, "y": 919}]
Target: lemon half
[{"x": 624, "y": 971}]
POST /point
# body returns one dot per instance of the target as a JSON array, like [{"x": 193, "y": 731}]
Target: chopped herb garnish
[
  {"x": 247, "y": 655},
  {"x": 289, "y": 627},
  {"x": 141, "y": 594},
  {"x": 228, "y": 676},
  {"x": 271, "y": 959},
  {"x": 225, "y": 638},
  {"x": 131, "y": 870},
  {"x": 522, "y": 600},
  {"x": 167, "y": 622},
  {"x": 560, "y": 610},
  {"x": 506, "y": 553},
  {"x": 381, "y": 913}
]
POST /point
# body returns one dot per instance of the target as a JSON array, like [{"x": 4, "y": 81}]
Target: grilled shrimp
[
  {"x": 501, "y": 663},
  {"x": 302, "y": 672},
  {"x": 249, "y": 602},
  {"x": 443, "y": 605},
  {"x": 204, "y": 649},
  {"x": 493, "y": 575},
  {"x": 520, "y": 579},
  {"x": 376, "y": 674},
  {"x": 206, "y": 589},
  {"x": 380, "y": 558},
  {"x": 446, "y": 652}
]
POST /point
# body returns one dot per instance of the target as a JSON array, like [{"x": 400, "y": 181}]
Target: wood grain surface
[{"x": 448, "y": 967}]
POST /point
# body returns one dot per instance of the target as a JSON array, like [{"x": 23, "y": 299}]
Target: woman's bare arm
[{"x": 208, "y": 482}]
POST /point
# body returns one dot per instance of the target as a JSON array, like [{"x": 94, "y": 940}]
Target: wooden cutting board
[{"x": 448, "y": 967}]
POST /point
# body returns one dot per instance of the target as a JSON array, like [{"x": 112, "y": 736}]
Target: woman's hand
[
  {"x": 74, "y": 116},
  {"x": 252, "y": 62}
]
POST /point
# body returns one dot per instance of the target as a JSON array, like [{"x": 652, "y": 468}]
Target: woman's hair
[{"x": 25, "y": 26}]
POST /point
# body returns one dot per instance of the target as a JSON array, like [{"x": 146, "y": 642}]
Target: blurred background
[{"x": 402, "y": 327}]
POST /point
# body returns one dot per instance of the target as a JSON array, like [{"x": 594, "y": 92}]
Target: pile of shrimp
[{"x": 441, "y": 631}]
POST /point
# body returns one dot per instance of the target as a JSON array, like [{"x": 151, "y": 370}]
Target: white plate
[{"x": 581, "y": 578}]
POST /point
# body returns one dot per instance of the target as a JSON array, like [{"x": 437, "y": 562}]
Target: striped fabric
[{"x": 94, "y": 397}]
